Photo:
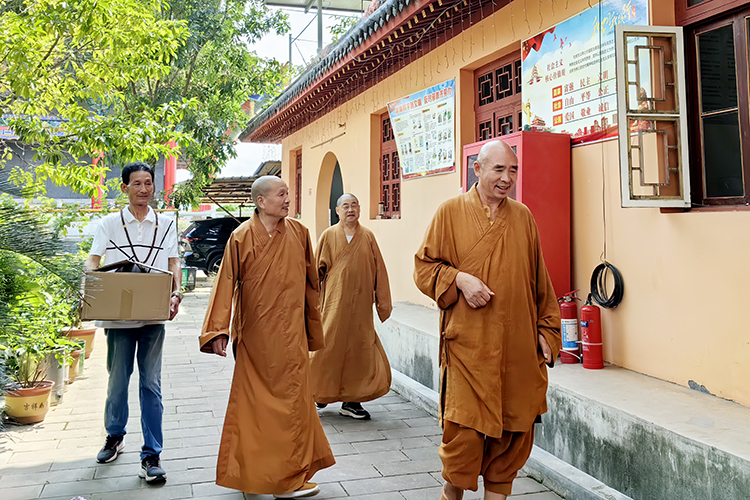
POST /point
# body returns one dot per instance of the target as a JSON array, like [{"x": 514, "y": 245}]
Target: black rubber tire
[{"x": 214, "y": 263}]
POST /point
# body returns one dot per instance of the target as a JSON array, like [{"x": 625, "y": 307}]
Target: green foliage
[
  {"x": 214, "y": 67},
  {"x": 342, "y": 25},
  {"x": 66, "y": 68},
  {"x": 36, "y": 312}
]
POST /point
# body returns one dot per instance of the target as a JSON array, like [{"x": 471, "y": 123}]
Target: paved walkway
[{"x": 392, "y": 457}]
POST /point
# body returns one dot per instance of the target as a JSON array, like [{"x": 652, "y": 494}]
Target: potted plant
[
  {"x": 27, "y": 393},
  {"x": 28, "y": 339}
]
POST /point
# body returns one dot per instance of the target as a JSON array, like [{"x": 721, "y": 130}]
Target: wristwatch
[{"x": 177, "y": 294}]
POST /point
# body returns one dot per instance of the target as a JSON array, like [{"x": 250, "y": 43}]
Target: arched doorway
[
  {"x": 337, "y": 189},
  {"x": 330, "y": 187}
]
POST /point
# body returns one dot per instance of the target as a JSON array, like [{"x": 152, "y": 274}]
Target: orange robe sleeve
[
  {"x": 313, "y": 325},
  {"x": 219, "y": 312},
  {"x": 383, "y": 303},
  {"x": 434, "y": 277}
]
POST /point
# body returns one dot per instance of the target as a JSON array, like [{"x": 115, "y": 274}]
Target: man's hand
[
  {"x": 220, "y": 345},
  {"x": 174, "y": 306},
  {"x": 477, "y": 294},
  {"x": 545, "y": 348}
]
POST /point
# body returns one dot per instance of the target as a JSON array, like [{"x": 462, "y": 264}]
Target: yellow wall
[
  {"x": 684, "y": 273},
  {"x": 686, "y": 281}
]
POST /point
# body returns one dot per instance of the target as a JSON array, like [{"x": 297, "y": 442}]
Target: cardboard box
[{"x": 127, "y": 296}]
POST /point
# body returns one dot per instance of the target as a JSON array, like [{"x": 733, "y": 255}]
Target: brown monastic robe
[
  {"x": 352, "y": 366},
  {"x": 493, "y": 375},
  {"x": 272, "y": 440}
]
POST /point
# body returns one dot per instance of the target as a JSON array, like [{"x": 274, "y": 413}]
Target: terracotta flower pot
[
  {"x": 86, "y": 334},
  {"x": 73, "y": 371},
  {"x": 28, "y": 405}
]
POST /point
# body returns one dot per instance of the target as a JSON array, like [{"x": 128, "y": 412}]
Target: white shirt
[{"x": 110, "y": 235}]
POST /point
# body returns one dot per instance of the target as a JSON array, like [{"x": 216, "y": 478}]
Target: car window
[{"x": 214, "y": 231}]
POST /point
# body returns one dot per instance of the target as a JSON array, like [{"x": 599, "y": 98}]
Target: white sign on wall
[{"x": 423, "y": 126}]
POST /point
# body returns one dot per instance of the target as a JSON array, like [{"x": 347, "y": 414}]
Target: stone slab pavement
[{"x": 391, "y": 457}]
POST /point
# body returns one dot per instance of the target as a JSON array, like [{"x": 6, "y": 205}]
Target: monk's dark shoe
[
  {"x": 354, "y": 410},
  {"x": 320, "y": 406}
]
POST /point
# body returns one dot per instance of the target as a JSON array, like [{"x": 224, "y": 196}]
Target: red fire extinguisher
[
  {"x": 591, "y": 333},
  {"x": 569, "y": 315}
]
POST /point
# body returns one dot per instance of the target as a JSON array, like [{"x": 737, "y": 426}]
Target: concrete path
[{"x": 392, "y": 457}]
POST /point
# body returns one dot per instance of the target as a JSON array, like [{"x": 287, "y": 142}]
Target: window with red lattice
[
  {"x": 390, "y": 171},
  {"x": 298, "y": 184},
  {"x": 498, "y": 98}
]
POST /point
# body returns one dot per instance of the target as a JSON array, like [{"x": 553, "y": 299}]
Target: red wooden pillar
[
  {"x": 170, "y": 174},
  {"x": 96, "y": 200}
]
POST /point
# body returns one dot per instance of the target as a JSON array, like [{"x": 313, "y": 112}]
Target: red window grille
[
  {"x": 390, "y": 171},
  {"x": 298, "y": 185},
  {"x": 498, "y": 103}
]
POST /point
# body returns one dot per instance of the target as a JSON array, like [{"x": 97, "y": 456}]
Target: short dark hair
[{"x": 136, "y": 166}]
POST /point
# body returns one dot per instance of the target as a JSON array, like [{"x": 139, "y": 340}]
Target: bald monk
[
  {"x": 481, "y": 261},
  {"x": 352, "y": 367},
  {"x": 265, "y": 301}
]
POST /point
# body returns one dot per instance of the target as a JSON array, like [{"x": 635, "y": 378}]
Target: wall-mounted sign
[
  {"x": 569, "y": 72},
  {"x": 423, "y": 128}
]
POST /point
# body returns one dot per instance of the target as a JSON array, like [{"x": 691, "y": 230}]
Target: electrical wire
[{"x": 599, "y": 286}]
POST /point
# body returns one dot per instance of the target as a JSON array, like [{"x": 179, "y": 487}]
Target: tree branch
[{"x": 190, "y": 71}]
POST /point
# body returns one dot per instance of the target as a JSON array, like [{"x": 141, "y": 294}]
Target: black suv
[{"x": 202, "y": 243}]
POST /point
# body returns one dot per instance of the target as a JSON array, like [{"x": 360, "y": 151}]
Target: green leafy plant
[{"x": 341, "y": 26}]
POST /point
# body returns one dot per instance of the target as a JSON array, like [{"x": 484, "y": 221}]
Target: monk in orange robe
[
  {"x": 265, "y": 302},
  {"x": 481, "y": 261},
  {"x": 352, "y": 367}
]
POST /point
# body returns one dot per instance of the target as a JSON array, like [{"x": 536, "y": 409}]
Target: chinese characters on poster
[
  {"x": 569, "y": 72},
  {"x": 423, "y": 127}
]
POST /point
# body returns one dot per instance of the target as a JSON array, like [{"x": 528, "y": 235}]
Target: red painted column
[
  {"x": 96, "y": 200},
  {"x": 170, "y": 174}
]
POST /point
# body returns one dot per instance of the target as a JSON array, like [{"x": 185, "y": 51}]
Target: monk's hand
[
  {"x": 477, "y": 294},
  {"x": 544, "y": 346},
  {"x": 220, "y": 345}
]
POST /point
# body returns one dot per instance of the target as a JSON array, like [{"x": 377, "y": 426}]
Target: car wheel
[{"x": 213, "y": 264}]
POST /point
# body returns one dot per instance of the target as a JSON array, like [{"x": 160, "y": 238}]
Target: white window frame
[{"x": 624, "y": 115}]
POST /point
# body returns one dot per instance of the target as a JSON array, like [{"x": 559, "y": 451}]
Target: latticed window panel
[
  {"x": 485, "y": 130},
  {"x": 498, "y": 112},
  {"x": 504, "y": 81},
  {"x": 390, "y": 173},
  {"x": 396, "y": 198},
  {"x": 386, "y": 198},
  {"x": 387, "y": 130},
  {"x": 486, "y": 89},
  {"x": 385, "y": 168},
  {"x": 505, "y": 125},
  {"x": 652, "y": 117}
]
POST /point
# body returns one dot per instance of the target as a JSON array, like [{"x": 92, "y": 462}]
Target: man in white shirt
[{"x": 136, "y": 233}]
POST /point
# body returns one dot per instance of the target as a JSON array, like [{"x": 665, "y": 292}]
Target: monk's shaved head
[
  {"x": 263, "y": 185},
  {"x": 343, "y": 198},
  {"x": 500, "y": 148}
]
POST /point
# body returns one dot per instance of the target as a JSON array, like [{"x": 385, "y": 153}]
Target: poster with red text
[{"x": 568, "y": 71}]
